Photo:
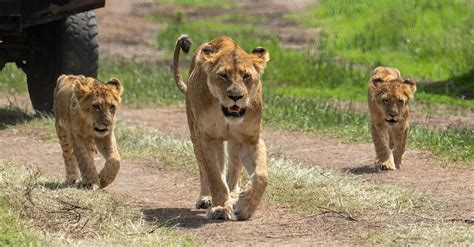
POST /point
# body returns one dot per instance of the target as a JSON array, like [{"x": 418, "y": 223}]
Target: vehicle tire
[{"x": 68, "y": 46}]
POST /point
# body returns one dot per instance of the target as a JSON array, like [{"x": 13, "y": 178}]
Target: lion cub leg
[
  {"x": 214, "y": 166},
  {"x": 400, "y": 142},
  {"x": 107, "y": 146},
  {"x": 234, "y": 169},
  {"x": 72, "y": 170},
  {"x": 254, "y": 158},
  {"x": 384, "y": 158},
  {"x": 85, "y": 154}
]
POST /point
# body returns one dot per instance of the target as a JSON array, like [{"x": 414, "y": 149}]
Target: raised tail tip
[{"x": 184, "y": 42}]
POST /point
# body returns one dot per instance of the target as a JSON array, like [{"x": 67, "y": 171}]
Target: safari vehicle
[{"x": 46, "y": 38}]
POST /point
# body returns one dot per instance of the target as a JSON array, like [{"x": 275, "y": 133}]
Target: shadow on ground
[
  {"x": 14, "y": 116},
  {"x": 367, "y": 169},
  {"x": 180, "y": 217}
]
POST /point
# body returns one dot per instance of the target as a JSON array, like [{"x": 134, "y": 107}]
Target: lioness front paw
[
  {"x": 204, "y": 202},
  {"x": 220, "y": 213},
  {"x": 387, "y": 165}
]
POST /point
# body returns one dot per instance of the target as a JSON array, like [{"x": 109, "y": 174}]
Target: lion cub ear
[
  {"x": 411, "y": 84},
  {"x": 81, "y": 89},
  {"x": 261, "y": 58},
  {"x": 375, "y": 81},
  {"x": 115, "y": 85},
  {"x": 206, "y": 52}
]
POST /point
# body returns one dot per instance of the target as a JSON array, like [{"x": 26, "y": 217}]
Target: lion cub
[
  {"x": 224, "y": 103},
  {"x": 84, "y": 109},
  {"x": 389, "y": 96}
]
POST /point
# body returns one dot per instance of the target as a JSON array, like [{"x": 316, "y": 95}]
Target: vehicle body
[{"x": 46, "y": 38}]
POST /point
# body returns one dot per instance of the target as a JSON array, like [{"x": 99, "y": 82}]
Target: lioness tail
[{"x": 183, "y": 43}]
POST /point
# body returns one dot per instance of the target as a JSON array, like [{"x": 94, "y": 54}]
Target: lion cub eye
[
  {"x": 400, "y": 102},
  {"x": 96, "y": 107},
  {"x": 112, "y": 108},
  {"x": 223, "y": 76},
  {"x": 385, "y": 101},
  {"x": 247, "y": 77}
]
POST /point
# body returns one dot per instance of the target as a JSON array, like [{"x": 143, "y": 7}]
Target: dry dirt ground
[{"x": 153, "y": 186}]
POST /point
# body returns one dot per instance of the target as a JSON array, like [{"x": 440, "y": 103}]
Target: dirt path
[
  {"x": 420, "y": 171},
  {"x": 166, "y": 195}
]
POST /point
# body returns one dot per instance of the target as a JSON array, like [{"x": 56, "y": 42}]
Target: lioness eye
[
  {"x": 96, "y": 107},
  {"x": 400, "y": 102},
  {"x": 112, "y": 108},
  {"x": 385, "y": 101},
  {"x": 247, "y": 77},
  {"x": 223, "y": 76}
]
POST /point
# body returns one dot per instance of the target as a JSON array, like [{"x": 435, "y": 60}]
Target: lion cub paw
[
  {"x": 89, "y": 185},
  {"x": 387, "y": 165},
  {"x": 220, "y": 213},
  {"x": 72, "y": 181},
  {"x": 204, "y": 202}
]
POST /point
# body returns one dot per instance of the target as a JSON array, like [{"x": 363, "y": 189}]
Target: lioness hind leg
[
  {"x": 107, "y": 146},
  {"x": 254, "y": 158},
  {"x": 72, "y": 170},
  {"x": 384, "y": 157},
  {"x": 204, "y": 201},
  {"x": 234, "y": 169}
]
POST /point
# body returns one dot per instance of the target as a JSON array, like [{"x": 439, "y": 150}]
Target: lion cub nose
[
  {"x": 106, "y": 122},
  {"x": 393, "y": 114},
  {"x": 234, "y": 97}
]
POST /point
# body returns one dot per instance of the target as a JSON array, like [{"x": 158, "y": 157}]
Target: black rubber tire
[{"x": 69, "y": 46}]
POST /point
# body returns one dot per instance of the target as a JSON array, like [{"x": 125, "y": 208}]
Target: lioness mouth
[
  {"x": 100, "y": 130},
  {"x": 233, "y": 111},
  {"x": 391, "y": 121}
]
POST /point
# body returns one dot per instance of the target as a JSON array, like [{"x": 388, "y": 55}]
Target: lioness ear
[
  {"x": 412, "y": 84},
  {"x": 262, "y": 57},
  {"x": 207, "y": 52},
  {"x": 115, "y": 85},
  {"x": 80, "y": 90}
]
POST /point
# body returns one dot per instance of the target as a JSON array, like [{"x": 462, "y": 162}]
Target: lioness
[
  {"x": 84, "y": 109},
  {"x": 389, "y": 95},
  {"x": 224, "y": 103}
]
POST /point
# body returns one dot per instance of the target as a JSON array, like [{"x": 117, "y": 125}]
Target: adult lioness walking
[
  {"x": 224, "y": 103},
  {"x": 389, "y": 96}
]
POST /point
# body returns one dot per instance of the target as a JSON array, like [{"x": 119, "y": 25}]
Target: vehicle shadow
[
  {"x": 14, "y": 115},
  {"x": 181, "y": 217}
]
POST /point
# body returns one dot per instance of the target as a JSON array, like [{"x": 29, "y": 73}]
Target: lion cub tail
[{"x": 184, "y": 43}]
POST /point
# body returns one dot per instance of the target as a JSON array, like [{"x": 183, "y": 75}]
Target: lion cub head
[
  {"x": 391, "y": 94},
  {"x": 233, "y": 75},
  {"x": 97, "y": 102}
]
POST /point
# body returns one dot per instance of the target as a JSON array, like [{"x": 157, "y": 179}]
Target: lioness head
[
  {"x": 392, "y": 94},
  {"x": 233, "y": 75},
  {"x": 98, "y": 103}
]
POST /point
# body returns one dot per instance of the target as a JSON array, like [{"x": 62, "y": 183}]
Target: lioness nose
[
  {"x": 393, "y": 114},
  {"x": 234, "y": 97}
]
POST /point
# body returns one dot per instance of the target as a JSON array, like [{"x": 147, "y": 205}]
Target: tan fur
[
  {"x": 224, "y": 78},
  {"x": 389, "y": 96},
  {"x": 84, "y": 109}
]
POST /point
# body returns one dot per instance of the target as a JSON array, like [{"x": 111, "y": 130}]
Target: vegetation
[
  {"x": 430, "y": 40},
  {"x": 30, "y": 201}
]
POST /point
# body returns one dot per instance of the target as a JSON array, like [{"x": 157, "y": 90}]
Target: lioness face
[
  {"x": 393, "y": 97},
  {"x": 98, "y": 103},
  {"x": 234, "y": 77}
]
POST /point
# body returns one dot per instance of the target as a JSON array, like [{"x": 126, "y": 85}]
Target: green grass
[
  {"x": 12, "y": 79},
  {"x": 225, "y": 4},
  {"x": 432, "y": 40},
  {"x": 444, "y": 233},
  {"x": 30, "y": 201}
]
